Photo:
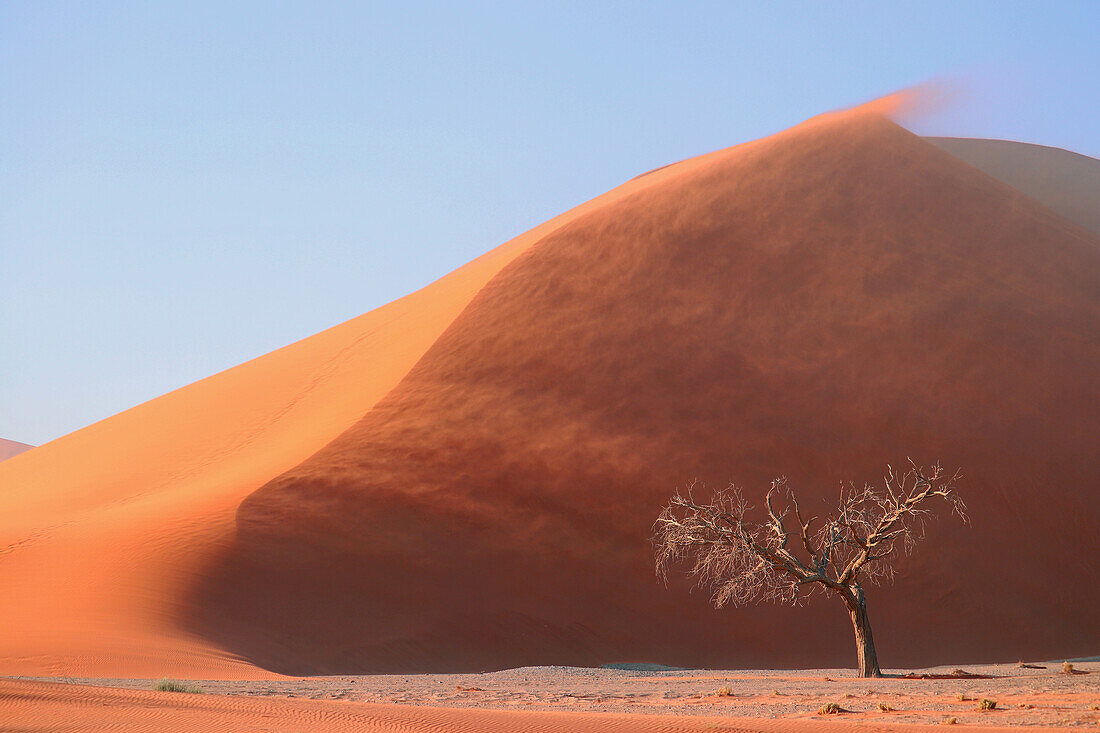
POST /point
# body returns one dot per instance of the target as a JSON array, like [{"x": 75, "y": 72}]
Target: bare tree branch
[{"x": 745, "y": 560}]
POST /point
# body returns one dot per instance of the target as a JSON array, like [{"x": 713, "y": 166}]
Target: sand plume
[{"x": 907, "y": 105}]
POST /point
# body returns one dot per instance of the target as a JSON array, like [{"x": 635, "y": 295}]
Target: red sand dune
[
  {"x": 812, "y": 304},
  {"x": 9, "y": 448},
  {"x": 466, "y": 478}
]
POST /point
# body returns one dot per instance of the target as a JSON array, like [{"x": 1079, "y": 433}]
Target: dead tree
[{"x": 784, "y": 557}]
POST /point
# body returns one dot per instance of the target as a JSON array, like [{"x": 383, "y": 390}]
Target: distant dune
[
  {"x": 9, "y": 448},
  {"x": 465, "y": 479},
  {"x": 1066, "y": 182}
]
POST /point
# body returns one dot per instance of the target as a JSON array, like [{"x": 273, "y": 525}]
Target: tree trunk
[{"x": 865, "y": 643}]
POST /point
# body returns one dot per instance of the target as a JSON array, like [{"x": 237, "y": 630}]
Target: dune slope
[
  {"x": 813, "y": 304},
  {"x": 103, "y": 531},
  {"x": 1067, "y": 182}
]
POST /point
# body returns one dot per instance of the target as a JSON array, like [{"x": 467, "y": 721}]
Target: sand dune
[
  {"x": 1066, "y": 182},
  {"x": 464, "y": 479},
  {"x": 102, "y": 530},
  {"x": 812, "y": 304},
  {"x": 9, "y": 448}
]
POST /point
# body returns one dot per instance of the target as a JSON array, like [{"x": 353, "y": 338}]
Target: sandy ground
[{"x": 567, "y": 698}]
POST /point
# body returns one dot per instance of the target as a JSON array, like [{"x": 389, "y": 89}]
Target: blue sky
[{"x": 185, "y": 186}]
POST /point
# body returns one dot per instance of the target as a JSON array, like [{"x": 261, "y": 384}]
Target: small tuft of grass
[
  {"x": 1067, "y": 668},
  {"x": 963, "y": 698},
  {"x": 848, "y": 696},
  {"x": 987, "y": 704},
  {"x": 829, "y": 708},
  {"x": 724, "y": 692},
  {"x": 1024, "y": 705},
  {"x": 950, "y": 721},
  {"x": 885, "y": 708},
  {"x": 173, "y": 686},
  {"x": 777, "y": 693}
]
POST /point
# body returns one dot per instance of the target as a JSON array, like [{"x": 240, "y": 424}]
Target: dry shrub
[
  {"x": 950, "y": 721},
  {"x": 961, "y": 697},
  {"x": 829, "y": 708},
  {"x": 173, "y": 686},
  {"x": 724, "y": 692},
  {"x": 987, "y": 704},
  {"x": 1067, "y": 668},
  {"x": 885, "y": 708}
]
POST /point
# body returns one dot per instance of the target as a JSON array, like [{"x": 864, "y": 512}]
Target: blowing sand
[{"x": 571, "y": 699}]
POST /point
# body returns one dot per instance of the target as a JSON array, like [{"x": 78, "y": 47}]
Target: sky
[{"x": 187, "y": 185}]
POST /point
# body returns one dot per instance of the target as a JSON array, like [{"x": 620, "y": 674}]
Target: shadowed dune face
[
  {"x": 1066, "y": 182},
  {"x": 9, "y": 448},
  {"x": 103, "y": 530},
  {"x": 813, "y": 304}
]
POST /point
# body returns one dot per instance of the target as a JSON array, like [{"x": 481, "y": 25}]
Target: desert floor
[{"x": 567, "y": 699}]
